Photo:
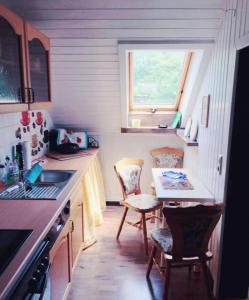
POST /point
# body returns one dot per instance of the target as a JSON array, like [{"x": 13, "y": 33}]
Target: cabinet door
[
  {"x": 38, "y": 62},
  {"x": 77, "y": 230},
  {"x": 60, "y": 270},
  {"x": 12, "y": 62},
  {"x": 76, "y": 218}
]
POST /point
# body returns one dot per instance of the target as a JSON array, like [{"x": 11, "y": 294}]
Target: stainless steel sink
[
  {"x": 54, "y": 176},
  {"x": 48, "y": 186}
]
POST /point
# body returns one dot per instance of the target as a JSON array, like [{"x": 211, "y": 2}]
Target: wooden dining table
[{"x": 198, "y": 193}]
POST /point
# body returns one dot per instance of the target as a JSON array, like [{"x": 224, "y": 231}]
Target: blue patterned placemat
[{"x": 175, "y": 184}]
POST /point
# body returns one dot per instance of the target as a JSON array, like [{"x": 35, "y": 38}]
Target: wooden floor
[{"x": 111, "y": 270}]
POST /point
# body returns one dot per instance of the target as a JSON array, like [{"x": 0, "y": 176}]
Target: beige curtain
[{"x": 94, "y": 201}]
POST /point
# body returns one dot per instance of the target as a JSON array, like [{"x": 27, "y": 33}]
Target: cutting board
[{"x": 59, "y": 156}]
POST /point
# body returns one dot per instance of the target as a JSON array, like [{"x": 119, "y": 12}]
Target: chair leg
[
  {"x": 153, "y": 215},
  {"x": 122, "y": 222},
  {"x": 152, "y": 255},
  {"x": 166, "y": 281},
  {"x": 207, "y": 280},
  {"x": 145, "y": 233}
]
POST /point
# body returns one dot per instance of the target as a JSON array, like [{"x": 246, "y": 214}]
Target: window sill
[
  {"x": 187, "y": 141},
  {"x": 158, "y": 112},
  {"x": 148, "y": 130}
]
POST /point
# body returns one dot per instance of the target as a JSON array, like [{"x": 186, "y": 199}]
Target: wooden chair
[
  {"x": 166, "y": 157},
  {"x": 128, "y": 171},
  {"x": 185, "y": 241}
]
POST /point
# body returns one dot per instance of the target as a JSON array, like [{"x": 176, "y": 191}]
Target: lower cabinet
[
  {"x": 60, "y": 270},
  {"x": 64, "y": 254},
  {"x": 76, "y": 219}
]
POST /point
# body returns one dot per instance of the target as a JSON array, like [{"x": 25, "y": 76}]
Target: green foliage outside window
[{"x": 156, "y": 76}]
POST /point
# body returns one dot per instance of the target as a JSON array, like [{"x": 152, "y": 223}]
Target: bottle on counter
[
  {"x": 12, "y": 171},
  {"x": 3, "y": 175}
]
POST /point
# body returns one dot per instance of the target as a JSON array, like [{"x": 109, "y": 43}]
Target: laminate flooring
[{"x": 115, "y": 270}]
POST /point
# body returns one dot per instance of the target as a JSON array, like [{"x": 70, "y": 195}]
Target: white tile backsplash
[{"x": 9, "y": 123}]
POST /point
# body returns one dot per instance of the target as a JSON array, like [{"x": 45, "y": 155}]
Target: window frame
[
  {"x": 201, "y": 50},
  {"x": 160, "y": 108}
]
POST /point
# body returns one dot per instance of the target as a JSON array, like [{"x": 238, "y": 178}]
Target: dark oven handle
[{"x": 44, "y": 284}]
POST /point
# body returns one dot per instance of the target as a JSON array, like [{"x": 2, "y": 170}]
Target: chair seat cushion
[
  {"x": 142, "y": 202},
  {"x": 163, "y": 237}
]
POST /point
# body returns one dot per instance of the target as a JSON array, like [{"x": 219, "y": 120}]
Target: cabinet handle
[
  {"x": 72, "y": 225},
  {"x": 23, "y": 95},
  {"x": 32, "y": 95},
  {"x": 26, "y": 95}
]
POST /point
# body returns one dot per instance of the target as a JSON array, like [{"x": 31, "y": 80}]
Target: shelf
[
  {"x": 148, "y": 130},
  {"x": 187, "y": 141}
]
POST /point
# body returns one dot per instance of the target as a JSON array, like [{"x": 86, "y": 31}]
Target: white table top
[{"x": 198, "y": 194}]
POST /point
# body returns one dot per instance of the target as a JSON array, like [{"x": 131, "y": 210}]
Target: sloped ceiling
[{"x": 84, "y": 37}]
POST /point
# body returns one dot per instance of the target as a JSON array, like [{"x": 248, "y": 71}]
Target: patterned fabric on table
[
  {"x": 166, "y": 160},
  {"x": 193, "y": 232},
  {"x": 164, "y": 238},
  {"x": 130, "y": 177}
]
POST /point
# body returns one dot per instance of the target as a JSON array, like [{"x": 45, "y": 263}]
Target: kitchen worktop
[{"x": 37, "y": 215}]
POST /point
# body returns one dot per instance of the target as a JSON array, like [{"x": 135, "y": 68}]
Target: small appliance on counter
[
  {"x": 67, "y": 141},
  {"x": 68, "y": 148}
]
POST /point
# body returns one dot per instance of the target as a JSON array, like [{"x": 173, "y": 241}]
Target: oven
[{"x": 35, "y": 284}]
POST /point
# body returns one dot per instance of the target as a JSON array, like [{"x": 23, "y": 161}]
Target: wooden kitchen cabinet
[
  {"x": 13, "y": 77},
  {"x": 60, "y": 270},
  {"x": 24, "y": 65},
  {"x": 76, "y": 218},
  {"x": 38, "y": 66}
]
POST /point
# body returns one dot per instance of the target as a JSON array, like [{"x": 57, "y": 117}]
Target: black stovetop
[{"x": 10, "y": 242}]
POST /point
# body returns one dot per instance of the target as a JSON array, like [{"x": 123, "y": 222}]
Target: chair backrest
[
  {"x": 128, "y": 171},
  {"x": 191, "y": 228},
  {"x": 166, "y": 157}
]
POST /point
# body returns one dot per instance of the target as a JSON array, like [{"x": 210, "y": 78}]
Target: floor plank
[{"x": 111, "y": 270}]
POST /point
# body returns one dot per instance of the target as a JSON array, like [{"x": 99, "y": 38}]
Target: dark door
[{"x": 234, "y": 260}]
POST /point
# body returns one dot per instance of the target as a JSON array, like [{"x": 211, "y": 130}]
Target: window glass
[{"x": 156, "y": 78}]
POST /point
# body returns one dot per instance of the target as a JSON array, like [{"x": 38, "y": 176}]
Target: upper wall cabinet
[
  {"x": 24, "y": 65},
  {"x": 13, "y": 79},
  {"x": 38, "y": 59}
]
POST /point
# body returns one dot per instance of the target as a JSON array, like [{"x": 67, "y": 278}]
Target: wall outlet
[{"x": 219, "y": 165}]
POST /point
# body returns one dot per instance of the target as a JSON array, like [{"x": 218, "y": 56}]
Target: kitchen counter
[{"x": 37, "y": 215}]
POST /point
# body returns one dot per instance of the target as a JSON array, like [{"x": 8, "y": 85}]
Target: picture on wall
[{"x": 205, "y": 110}]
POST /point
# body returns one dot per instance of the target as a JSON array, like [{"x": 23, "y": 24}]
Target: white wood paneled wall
[{"x": 84, "y": 37}]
